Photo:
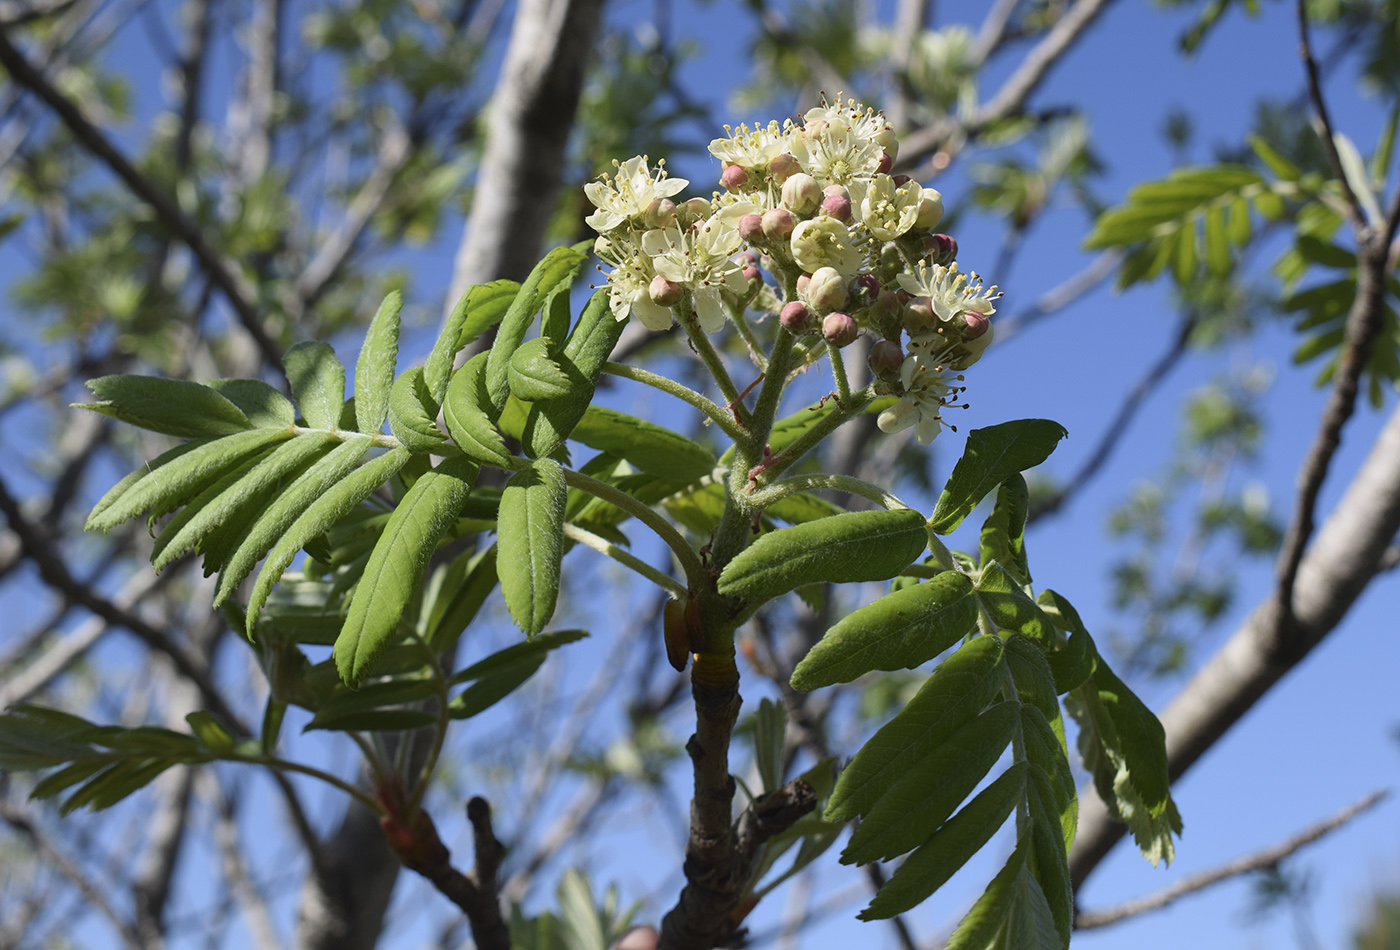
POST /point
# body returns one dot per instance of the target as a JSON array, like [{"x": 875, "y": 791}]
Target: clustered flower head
[{"x": 851, "y": 248}]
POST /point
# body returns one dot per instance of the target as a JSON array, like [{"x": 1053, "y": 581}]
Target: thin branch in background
[
  {"x": 240, "y": 296},
  {"x": 992, "y": 31},
  {"x": 901, "y": 929},
  {"x": 1324, "y": 121},
  {"x": 251, "y": 903},
  {"x": 1259, "y": 861},
  {"x": 92, "y": 892},
  {"x": 1119, "y": 426},
  {"x": 1062, "y": 295}
]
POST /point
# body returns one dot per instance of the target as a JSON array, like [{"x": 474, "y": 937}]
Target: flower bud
[
  {"x": 930, "y": 210},
  {"x": 867, "y": 288},
  {"x": 886, "y": 163},
  {"x": 839, "y": 330},
  {"x": 783, "y": 167},
  {"x": 692, "y": 212},
  {"x": 942, "y": 248},
  {"x": 660, "y": 213},
  {"x": 837, "y": 207},
  {"x": 888, "y": 140},
  {"x": 751, "y": 227},
  {"x": 733, "y": 177},
  {"x": 801, "y": 193},
  {"x": 977, "y": 324},
  {"x": 887, "y": 313},
  {"x": 836, "y": 191},
  {"x": 752, "y": 274},
  {"x": 919, "y": 316},
  {"x": 802, "y": 281},
  {"x": 900, "y": 179},
  {"x": 886, "y": 358},
  {"x": 665, "y": 292},
  {"x": 795, "y": 316},
  {"x": 827, "y": 289},
  {"x": 778, "y": 224},
  {"x": 747, "y": 259},
  {"x": 891, "y": 263}
]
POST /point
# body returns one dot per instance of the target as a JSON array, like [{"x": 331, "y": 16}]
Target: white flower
[
  {"x": 950, "y": 293},
  {"x": 700, "y": 259},
  {"x": 752, "y": 149},
  {"x": 929, "y": 388},
  {"x": 886, "y": 211},
  {"x": 629, "y": 284},
  {"x": 826, "y": 242},
  {"x": 628, "y": 193},
  {"x": 840, "y": 144}
]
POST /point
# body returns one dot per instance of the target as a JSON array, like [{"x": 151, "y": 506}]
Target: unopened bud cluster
[{"x": 853, "y": 246}]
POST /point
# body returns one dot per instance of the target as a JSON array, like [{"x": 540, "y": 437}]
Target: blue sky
[{"x": 1322, "y": 738}]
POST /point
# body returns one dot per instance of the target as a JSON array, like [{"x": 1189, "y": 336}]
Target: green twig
[
  {"x": 604, "y": 546},
  {"x": 690, "y": 561},
  {"x": 846, "y": 483},
  {"x": 712, "y": 410}
]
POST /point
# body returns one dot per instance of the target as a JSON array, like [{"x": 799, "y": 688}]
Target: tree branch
[
  {"x": 1329, "y": 143},
  {"x": 235, "y": 289},
  {"x": 1259, "y": 861},
  {"x": 1338, "y": 565}
]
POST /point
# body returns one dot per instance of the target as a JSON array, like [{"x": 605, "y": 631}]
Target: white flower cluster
[{"x": 816, "y": 203}]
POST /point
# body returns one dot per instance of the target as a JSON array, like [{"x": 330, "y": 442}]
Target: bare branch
[
  {"x": 235, "y": 289},
  {"x": 1329, "y": 142},
  {"x": 1338, "y": 565},
  {"x": 1259, "y": 861},
  {"x": 1062, "y": 295},
  {"x": 993, "y": 30}
]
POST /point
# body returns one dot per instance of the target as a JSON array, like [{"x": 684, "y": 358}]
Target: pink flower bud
[
  {"x": 752, "y": 274},
  {"x": 751, "y": 227},
  {"x": 660, "y": 213},
  {"x": 941, "y": 247},
  {"x": 900, "y": 179},
  {"x": 734, "y": 176},
  {"x": 802, "y": 281},
  {"x": 801, "y": 193},
  {"x": 664, "y": 292},
  {"x": 826, "y": 290},
  {"x": 795, "y": 316},
  {"x": 748, "y": 259},
  {"x": 839, "y": 330},
  {"x": 886, "y": 163},
  {"x": 692, "y": 212},
  {"x": 977, "y": 324},
  {"x": 886, "y": 358},
  {"x": 919, "y": 316},
  {"x": 868, "y": 286},
  {"x": 838, "y": 191},
  {"x": 837, "y": 207},
  {"x": 783, "y": 167},
  {"x": 778, "y": 224},
  {"x": 930, "y": 210}
]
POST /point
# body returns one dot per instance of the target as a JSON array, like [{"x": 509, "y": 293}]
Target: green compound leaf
[
  {"x": 858, "y": 546},
  {"x": 992, "y": 455},
  {"x": 338, "y": 501},
  {"x": 932, "y": 788},
  {"x": 470, "y": 578},
  {"x": 899, "y": 631},
  {"x": 530, "y": 542},
  {"x": 228, "y": 498},
  {"x": 651, "y": 448},
  {"x": 504, "y": 671},
  {"x": 949, "y": 699},
  {"x": 466, "y": 414},
  {"x": 1045, "y": 749},
  {"x": 550, "y": 422},
  {"x": 170, "y": 406},
  {"x": 394, "y": 574},
  {"x": 413, "y": 414},
  {"x": 264, "y": 406},
  {"x": 1141, "y": 737},
  {"x": 98, "y": 514},
  {"x": 1012, "y": 913},
  {"x": 372, "y": 707},
  {"x": 279, "y": 515},
  {"x": 179, "y": 477},
  {"x": 318, "y": 383},
  {"x": 558, "y": 268},
  {"x": 936, "y": 860},
  {"x": 374, "y": 373},
  {"x": 477, "y": 310},
  {"x": 534, "y": 374},
  {"x": 1004, "y": 533},
  {"x": 1011, "y": 608},
  {"x": 1073, "y": 662},
  {"x": 1047, "y": 861}
]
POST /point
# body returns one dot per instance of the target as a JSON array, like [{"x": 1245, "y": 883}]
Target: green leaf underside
[
  {"x": 465, "y": 413},
  {"x": 227, "y": 498},
  {"x": 180, "y": 477},
  {"x": 950, "y": 847},
  {"x": 374, "y": 373},
  {"x": 931, "y": 789},
  {"x": 504, "y": 671},
  {"x": 318, "y": 383},
  {"x": 319, "y": 516},
  {"x": 413, "y": 415},
  {"x": 530, "y": 543},
  {"x": 394, "y": 572},
  {"x": 264, "y": 406},
  {"x": 651, "y": 448},
  {"x": 899, "y": 631},
  {"x": 1141, "y": 734},
  {"x": 992, "y": 455},
  {"x": 171, "y": 406},
  {"x": 286, "y": 508},
  {"x": 1008, "y": 910},
  {"x": 1003, "y": 534},
  {"x": 1047, "y": 859},
  {"x": 1012, "y": 608},
  {"x": 479, "y": 578},
  {"x": 858, "y": 546},
  {"x": 949, "y": 699}
]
